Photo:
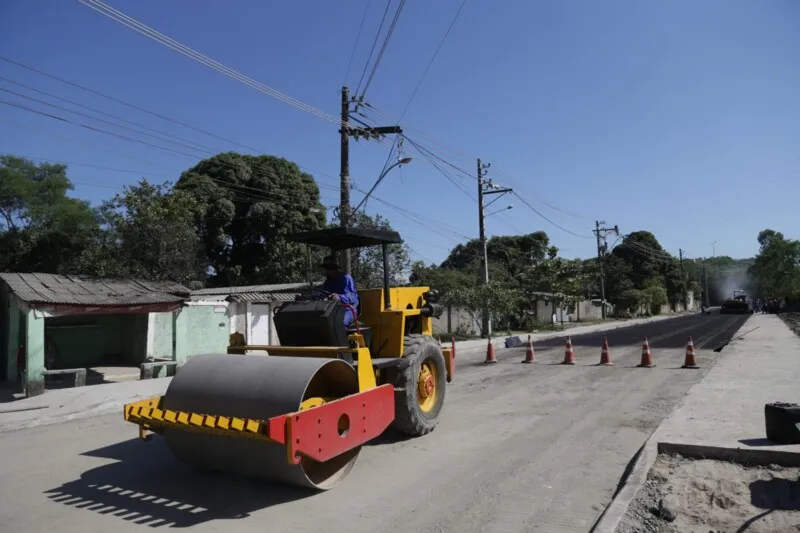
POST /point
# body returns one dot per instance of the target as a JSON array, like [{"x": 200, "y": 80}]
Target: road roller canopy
[{"x": 345, "y": 238}]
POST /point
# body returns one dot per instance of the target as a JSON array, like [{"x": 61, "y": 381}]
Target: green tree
[
  {"x": 41, "y": 228},
  {"x": 777, "y": 266},
  {"x": 248, "y": 205},
  {"x": 367, "y": 263},
  {"x": 492, "y": 300},
  {"x": 149, "y": 234},
  {"x": 509, "y": 256},
  {"x": 444, "y": 280}
]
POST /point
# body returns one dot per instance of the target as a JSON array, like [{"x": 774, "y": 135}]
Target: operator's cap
[{"x": 330, "y": 263}]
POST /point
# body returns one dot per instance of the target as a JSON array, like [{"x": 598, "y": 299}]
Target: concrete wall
[
  {"x": 455, "y": 320},
  {"x": 201, "y": 327}
]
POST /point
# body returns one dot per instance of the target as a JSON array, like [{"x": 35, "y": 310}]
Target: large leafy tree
[
  {"x": 249, "y": 205},
  {"x": 149, "y": 233},
  {"x": 509, "y": 256},
  {"x": 777, "y": 265},
  {"x": 41, "y": 228}
]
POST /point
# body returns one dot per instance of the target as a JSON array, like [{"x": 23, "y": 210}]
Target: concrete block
[
  {"x": 157, "y": 369},
  {"x": 78, "y": 375}
]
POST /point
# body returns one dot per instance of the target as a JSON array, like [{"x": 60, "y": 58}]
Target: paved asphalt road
[{"x": 520, "y": 448}]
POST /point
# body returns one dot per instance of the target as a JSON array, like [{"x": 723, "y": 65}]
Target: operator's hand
[{"x": 334, "y": 296}]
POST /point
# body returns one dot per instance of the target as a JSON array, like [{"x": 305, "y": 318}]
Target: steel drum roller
[{"x": 259, "y": 387}]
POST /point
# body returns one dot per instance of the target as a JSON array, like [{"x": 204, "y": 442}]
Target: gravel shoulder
[{"x": 686, "y": 496}]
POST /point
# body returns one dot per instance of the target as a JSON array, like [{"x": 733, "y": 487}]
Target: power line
[
  {"x": 145, "y": 30},
  {"x": 374, "y": 44},
  {"x": 127, "y": 104},
  {"x": 565, "y": 230},
  {"x": 386, "y": 40},
  {"x": 433, "y": 58},
  {"x": 355, "y": 44}
]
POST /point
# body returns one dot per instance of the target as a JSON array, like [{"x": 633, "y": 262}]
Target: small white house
[{"x": 250, "y": 308}]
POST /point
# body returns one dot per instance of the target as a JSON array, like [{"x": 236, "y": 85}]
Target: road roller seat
[{"x": 315, "y": 323}]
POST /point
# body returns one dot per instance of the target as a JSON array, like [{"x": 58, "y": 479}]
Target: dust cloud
[{"x": 723, "y": 283}]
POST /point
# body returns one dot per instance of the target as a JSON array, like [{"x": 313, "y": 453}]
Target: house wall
[
  {"x": 207, "y": 329},
  {"x": 198, "y": 328}
]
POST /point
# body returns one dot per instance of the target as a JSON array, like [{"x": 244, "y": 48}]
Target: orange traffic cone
[
  {"x": 689, "y": 362},
  {"x": 490, "y": 357},
  {"x": 530, "y": 356},
  {"x": 569, "y": 354},
  {"x": 605, "y": 354},
  {"x": 647, "y": 356}
]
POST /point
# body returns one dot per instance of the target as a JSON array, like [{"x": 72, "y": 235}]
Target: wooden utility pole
[{"x": 345, "y": 132}]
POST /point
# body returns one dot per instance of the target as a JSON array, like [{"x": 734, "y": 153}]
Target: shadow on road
[{"x": 147, "y": 486}]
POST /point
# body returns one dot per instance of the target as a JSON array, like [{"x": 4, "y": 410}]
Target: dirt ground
[
  {"x": 704, "y": 496},
  {"x": 792, "y": 320}
]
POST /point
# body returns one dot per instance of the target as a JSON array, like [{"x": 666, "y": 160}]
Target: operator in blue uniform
[{"x": 341, "y": 287}]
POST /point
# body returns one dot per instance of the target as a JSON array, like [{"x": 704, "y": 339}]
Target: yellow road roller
[{"x": 300, "y": 414}]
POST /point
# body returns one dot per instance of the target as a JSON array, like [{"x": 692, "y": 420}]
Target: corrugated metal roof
[
  {"x": 38, "y": 288},
  {"x": 280, "y": 287},
  {"x": 263, "y": 297},
  {"x": 209, "y": 298}
]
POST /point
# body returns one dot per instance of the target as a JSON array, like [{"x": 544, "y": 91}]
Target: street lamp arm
[{"x": 397, "y": 163}]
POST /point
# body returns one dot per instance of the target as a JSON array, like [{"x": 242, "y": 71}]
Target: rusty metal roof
[{"x": 38, "y": 288}]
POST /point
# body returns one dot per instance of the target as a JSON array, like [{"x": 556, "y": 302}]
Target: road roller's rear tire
[{"x": 421, "y": 387}]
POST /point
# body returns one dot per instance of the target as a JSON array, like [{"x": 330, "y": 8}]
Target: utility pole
[
  {"x": 485, "y": 187},
  {"x": 705, "y": 284},
  {"x": 344, "y": 171},
  {"x": 602, "y": 248},
  {"x": 346, "y": 131},
  {"x": 683, "y": 278}
]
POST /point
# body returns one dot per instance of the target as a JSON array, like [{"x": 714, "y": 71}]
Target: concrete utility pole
[
  {"x": 683, "y": 278},
  {"x": 600, "y": 233},
  {"x": 485, "y": 187},
  {"x": 347, "y": 131}
]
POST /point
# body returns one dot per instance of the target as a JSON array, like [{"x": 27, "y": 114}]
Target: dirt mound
[{"x": 704, "y": 496}]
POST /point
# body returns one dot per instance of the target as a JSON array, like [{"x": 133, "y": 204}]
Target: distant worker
[{"x": 341, "y": 286}]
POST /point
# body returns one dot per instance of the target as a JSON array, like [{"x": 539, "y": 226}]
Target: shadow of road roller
[{"x": 289, "y": 420}]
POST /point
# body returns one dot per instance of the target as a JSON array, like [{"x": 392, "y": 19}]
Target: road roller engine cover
[{"x": 301, "y": 414}]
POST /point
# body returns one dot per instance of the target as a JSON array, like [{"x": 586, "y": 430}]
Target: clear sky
[{"x": 679, "y": 117}]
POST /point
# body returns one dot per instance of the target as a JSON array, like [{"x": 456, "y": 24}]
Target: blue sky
[{"x": 680, "y": 117}]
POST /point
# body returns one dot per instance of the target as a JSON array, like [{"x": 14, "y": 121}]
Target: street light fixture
[
  {"x": 506, "y": 208},
  {"x": 400, "y": 161}
]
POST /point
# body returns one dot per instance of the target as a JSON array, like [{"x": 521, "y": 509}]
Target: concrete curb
[
  {"x": 629, "y": 487},
  {"x": 745, "y": 456}
]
